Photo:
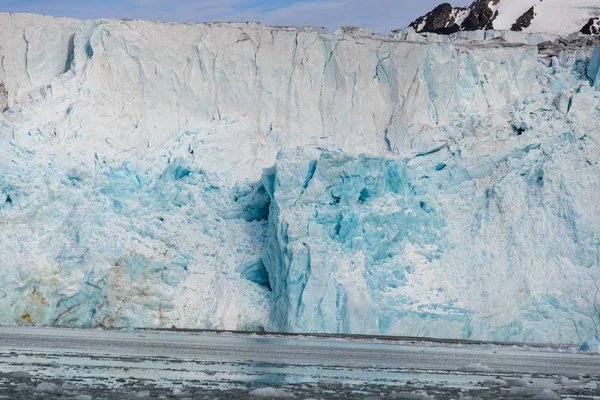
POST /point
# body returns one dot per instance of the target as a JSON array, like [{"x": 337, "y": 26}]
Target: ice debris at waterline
[{"x": 431, "y": 189}]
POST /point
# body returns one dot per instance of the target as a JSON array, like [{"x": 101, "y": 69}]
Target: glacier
[
  {"x": 420, "y": 246},
  {"x": 240, "y": 176}
]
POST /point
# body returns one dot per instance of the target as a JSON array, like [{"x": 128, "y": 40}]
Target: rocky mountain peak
[{"x": 539, "y": 16}]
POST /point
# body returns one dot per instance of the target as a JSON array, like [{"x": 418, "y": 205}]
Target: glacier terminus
[{"x": 246, "y": 177}]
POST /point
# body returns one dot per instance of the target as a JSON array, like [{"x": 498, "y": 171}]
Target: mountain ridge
[{"x": 533, "y": 16}]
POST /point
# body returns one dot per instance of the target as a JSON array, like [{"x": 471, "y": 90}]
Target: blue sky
[{"x": 379, "y": 15}]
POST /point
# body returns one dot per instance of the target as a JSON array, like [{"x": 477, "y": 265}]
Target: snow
[
  {"x": 460, "y": 15},
  {"x": 550, "y": 18},
  {"x": 557, "y": 17},
  {"x": 427, "y": 189},
  {"x": 271, "y": 393}
]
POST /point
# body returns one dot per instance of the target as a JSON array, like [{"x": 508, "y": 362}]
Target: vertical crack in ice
[
  {"x": 215, "y": 84},
  {"x": 257, "y": 80},
  {"x": 185, "y": 70},
  {"x": 354, "y": 88},
  {"x": 256, "y": 70},
  {"x": 70, "y": 53},
  {"x": 321, "y": 105},
  {"x": 386, "y": 131},
  {"x": 27, "y": 57},
  {"x": 379, "y": 65},
  {"x": 293, "y": 72},
  {"x": 141, "y": 77},
  {"x": 427, "y": 77},
  {"x": 596, "y": 305},
  {"x": 4, "y": 101},
  {"x": 312, "y": 167},
  {"x": 200, "y": 62},
  {"x": 304, "y": 281},
  {"x": 456, "y": 78}
]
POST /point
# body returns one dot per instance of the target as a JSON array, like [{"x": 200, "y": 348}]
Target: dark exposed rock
[
  {"x": 442, "y": 19},
  {"x": 592, "y": 27},
  {"x": 490, "y": 24},
  {"x": 438, "y": 19},
  {"x": 524, "y": 20},
  {"x": 480, "y": 17},
  {"x": 448, "y": 31}
]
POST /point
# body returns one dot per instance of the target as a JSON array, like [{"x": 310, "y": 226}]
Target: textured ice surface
[
  {"x": 593, "y": 71},
  {"x": 255, "y": 88},
  {"x": 132, "y": 190},
  {"x": 117, "y": 246},
  {"x": 482, "y": 35},
  {"x": 420, "y": 246},
  {"x": 592, "y": 345}
]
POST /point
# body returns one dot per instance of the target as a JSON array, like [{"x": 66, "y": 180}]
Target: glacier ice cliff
[
  {"x": 428, "y": 245},
  {"x": 240, "y": 176},
  {"x": 593, "y": 71}
]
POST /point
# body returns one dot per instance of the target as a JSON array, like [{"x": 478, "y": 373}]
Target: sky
[{"x": 378, "y": 15}]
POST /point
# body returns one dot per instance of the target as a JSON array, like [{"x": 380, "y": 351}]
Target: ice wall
[
  {"x": 131, "y": 157},
  {"x": 136, "y": 84},
  {"x": 499, "y": 247},
  {"x": 593, "y": 70}
]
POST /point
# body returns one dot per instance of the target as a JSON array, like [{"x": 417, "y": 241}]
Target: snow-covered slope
[
  {"x": 132, "y": 190},
  {"x": 556, "y": 17},
  {"x": 550, "y": 16}
]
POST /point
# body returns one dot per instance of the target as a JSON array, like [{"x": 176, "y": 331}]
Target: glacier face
[
  {"x": 118, "y": 245},
  {"x": 427, "y": 246},
  {"x": 278, "y": 87},
  {"x": 443, "y": 189}
]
